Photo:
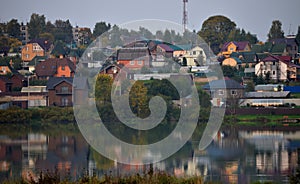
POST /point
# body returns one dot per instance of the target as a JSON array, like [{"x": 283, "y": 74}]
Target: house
[
  {"x": 5, "y": 68},
  {"x": 278, "y": 68},
  {"x": 12, "y": 83},
  {"x": 232, "y": 61},
  {"x": 290, "y": 43},
  {"x": 36, "y": 47},
  {"x": 134, "y": 57},
  {"x": 194, "y": 57},
  {"x": 5, "y": 84},
  {"x": 32, "y": 64},
  {"x": 164, "y": 51},
  {"x": 224, "y": 90},
  {"x": 264, "y": 50},
  {"x": 230, "y": 47},
  {"x": 113, "y": 71},
  {"x": 55, "y": 67},
  {"x": 60, "y": 91},
  {"x": 24, "y": 34},
  {"x": 182, "y": 51}
]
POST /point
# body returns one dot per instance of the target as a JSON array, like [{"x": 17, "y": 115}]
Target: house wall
[
  {"x": 56, "y": 95},
  {"x": 29, "y": 51},
  {"x": 2, "y": 86},
  {"x": 279, "y": 68},
  {"x": 230, "y": 62},
  {"x": 231, "y": 48},
  {"x": 134, "y": 64},
  {"x": 66, "y": 72},
  {"x": 4, "y": 70},
  {"x": 17, "y": 82}
]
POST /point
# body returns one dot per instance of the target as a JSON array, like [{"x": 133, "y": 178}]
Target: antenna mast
[{"x": 185, "y": 17}]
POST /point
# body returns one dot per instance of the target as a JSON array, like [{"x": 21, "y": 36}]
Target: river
[{"x": 235, "y": 156}]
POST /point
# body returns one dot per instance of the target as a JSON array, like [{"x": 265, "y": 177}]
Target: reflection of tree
[{"x": 102, "y": 163}]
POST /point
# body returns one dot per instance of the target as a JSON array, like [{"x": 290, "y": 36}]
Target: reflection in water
[{"x": 233, "y": 157}]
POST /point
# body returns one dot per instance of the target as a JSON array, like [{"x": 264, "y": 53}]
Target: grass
[{"x": 146, "y": 178}]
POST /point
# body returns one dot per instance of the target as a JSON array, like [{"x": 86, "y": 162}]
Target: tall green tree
[
  {"x": 167, "y": 36},
  {"x": 36, "y": 25},
  {"x": 100, "y": 28},
  {"x": 103, "y": 88},
  {"x": 138, "y": 99},
  {"x": 215, "y": 31},
  {"x": 276, "y": 30},
  {"x": 13, "y": 28},
  {"x": 63, "y": 31}
]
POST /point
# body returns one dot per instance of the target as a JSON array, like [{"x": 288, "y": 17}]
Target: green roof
[
  {"x": 185, "y": 47},
  {"x": 36, "y": 60}
]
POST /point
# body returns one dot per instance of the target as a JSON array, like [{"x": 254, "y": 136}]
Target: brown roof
[
  {"x": 49, "y": 67},
  {"x": 132, "y": 53}
]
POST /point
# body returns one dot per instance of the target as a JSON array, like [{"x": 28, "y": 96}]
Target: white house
[{"x": 194, "y": 56}]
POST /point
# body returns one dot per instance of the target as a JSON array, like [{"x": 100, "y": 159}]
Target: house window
[
  {"x": 63, "y": 68},
  {"x": 233, "y": 92},
  {"x": 221, "y": 92},
  {"x": 132, "y": 62},
  {"x": 27, "y": 48},
  {"x": 194, "y": 52},
  {"x": 27, "y": 56},
  {"x": 64, "y": 89},
  {"x": 274, "y": 63},
  {"x": 274, "y": 72},
  {"x": 140, "y": 62},
  {"x": 64, "y": 101},
  {"x": 201, "y": 52},
  {"x": 231, "y": 49}
]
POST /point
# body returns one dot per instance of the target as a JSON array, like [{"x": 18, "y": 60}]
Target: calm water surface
[{"x": 235, "y": 156}]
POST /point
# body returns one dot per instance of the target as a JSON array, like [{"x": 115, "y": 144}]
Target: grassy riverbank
[
  {"x": 150, "y": 177},
  {"x": 262, "y": 121}
]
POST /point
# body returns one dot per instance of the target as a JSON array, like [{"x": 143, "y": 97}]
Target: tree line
[{"x": 215, "y": 31}]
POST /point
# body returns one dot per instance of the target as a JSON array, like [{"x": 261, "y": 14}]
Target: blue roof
[{"x": 292, "y": 89}]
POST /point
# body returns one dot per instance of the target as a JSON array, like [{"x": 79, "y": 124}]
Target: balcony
[{"x": 63, "y": 92}]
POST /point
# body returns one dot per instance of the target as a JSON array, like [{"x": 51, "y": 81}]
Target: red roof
[{"x": 49, "y": 67}]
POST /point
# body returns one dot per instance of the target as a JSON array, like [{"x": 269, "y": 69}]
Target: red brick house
[
  {"x": 5, "y": 84},
  {"x": 113, "y": 70},
  {"x": 134, "y": 58},
  {"x": 60, "y": 91},
  {"x": 55, "y": 67}
]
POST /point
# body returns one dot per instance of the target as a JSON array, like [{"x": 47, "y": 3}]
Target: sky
[{"x": 255, "y": 16}]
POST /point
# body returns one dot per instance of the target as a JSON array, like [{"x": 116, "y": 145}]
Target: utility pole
[{"x": 185, "y": 17}]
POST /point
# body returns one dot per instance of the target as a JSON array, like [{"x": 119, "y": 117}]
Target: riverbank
[{"x": 149, "y": 177}]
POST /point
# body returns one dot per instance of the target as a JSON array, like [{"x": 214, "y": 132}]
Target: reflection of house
[
  {"x": 55, "y": 67},
  {"x": 36, "y": 47},
  {"x": 194, "y": 57},
  {"x": 220, "y": 90},
  {"x": 278, "y": 68},
  {"x": 134, "y": 58}
]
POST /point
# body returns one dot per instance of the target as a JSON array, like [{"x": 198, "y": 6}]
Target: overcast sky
[{"x": 255, "y": 16}]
